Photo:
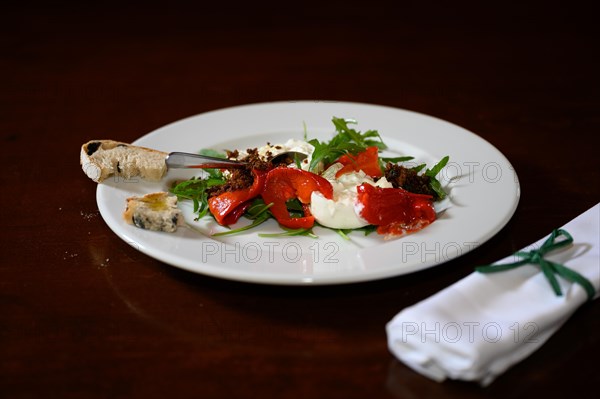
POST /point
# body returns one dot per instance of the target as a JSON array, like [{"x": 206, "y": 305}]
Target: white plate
[{"x": 484, "y": 193}]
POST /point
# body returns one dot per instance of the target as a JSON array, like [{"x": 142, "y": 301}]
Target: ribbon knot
[
  {"x": 536, "y": 257},
  {"x": 550, "y": 269}
]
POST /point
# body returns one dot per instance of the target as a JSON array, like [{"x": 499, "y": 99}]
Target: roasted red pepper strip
[
  {"x": 284, "y": 184},
  {"x": 367, "y": 161},
  {"x": 236, "y": 213},
  {"x": 226, "y": 207},
  {"x": 394, "y": 210}
]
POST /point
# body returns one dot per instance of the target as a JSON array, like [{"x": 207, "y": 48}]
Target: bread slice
[
  {"x": 155, "y": 211},
  {"x": 101, "y": 159}
]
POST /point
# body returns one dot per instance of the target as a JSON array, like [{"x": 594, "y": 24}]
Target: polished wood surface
[{"x": 83, "y": 314}]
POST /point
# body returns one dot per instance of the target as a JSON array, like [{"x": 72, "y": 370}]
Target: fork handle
[{"x": 179, "y": 160}]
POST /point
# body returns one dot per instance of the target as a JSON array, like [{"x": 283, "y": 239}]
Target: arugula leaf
[
  {"x": 396, "y": 159},
  {"x": 324, "y": 153},
  {"x": 367, "y": 229},
  {"x": 438, "y": 167},
  {"x": 298, "y": 160},
  {"x": 346, "y": 140},
  {"x": 257, "y": 208},
  {"x": 305, "y": 131},
  {"x": 194, "y": 189},
  {"x": 345, "y": 232},
  {"x": 361, "y": 139},
  {"x": 419, "y": 168},
  {"x": 291, "y": 232},
  {"x": 434, "y": 183},
  {"x": 255, "y": 222},
  {"x": 257, "y": 212},
  {"x": 294, "y": 205}
]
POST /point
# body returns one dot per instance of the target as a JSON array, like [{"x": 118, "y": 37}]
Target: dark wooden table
[{"x": 83, "y": 314}]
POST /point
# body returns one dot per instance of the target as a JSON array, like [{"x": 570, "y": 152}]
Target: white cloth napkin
[{"x": 477, "y": 328}]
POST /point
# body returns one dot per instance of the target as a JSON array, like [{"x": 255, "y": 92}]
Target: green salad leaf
[
  {"x": 195, "y": 190},
  {"x": 395, "y": 159},
  {"x": 434, "y": 183},
  {"x": 291, "y": 233},
  {"x": 346, "y": 140}
]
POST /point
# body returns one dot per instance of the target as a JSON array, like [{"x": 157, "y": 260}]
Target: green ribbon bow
[{"x": 550, "y": 269}]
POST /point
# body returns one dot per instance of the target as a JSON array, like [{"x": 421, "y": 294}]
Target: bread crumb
[
  {"x": 88, "y": 216},
  {"x": 67, "y": 255}
]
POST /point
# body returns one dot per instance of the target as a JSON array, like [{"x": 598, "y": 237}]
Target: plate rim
[{"x": 293, "y": 279}]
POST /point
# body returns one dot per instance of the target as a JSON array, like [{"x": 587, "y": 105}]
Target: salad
[{"x": 344, "y": 184}]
